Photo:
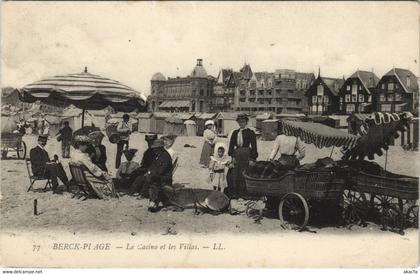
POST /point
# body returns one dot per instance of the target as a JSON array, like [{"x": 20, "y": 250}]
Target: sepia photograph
[{"x": 196, "y": 134}]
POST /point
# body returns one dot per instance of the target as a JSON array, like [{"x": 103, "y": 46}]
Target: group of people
[
  {"x": 226, "y": 166},
  {"x": 226, "y": 162}
]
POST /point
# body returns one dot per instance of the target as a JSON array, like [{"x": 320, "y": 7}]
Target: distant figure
[
  {"x": 100, "y": 181},
  {"x": 43, "y": 166},
  {"x": 44, "y": 128},
  {"x": 96, "y": 150},
  {"x": 65, "y": 135},
  {"x": 124, "y": 129},
  {"x": 209, "y": 138}
]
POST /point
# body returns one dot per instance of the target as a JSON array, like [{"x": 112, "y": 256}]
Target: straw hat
[
  {"x": 242, "y": 116},
  {"x": 209, "y": 122}
]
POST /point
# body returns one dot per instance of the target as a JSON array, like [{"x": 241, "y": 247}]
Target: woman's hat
[
  {"x": 169, "y": 139},
  {"x": 209, "y": 122},
  {"x": 82, "y": 139},
  {"x": 129, "y": 153},
  {"x": 157, "y": 143},
  {"x": 96, "y": 135},
  {"x": 242, "y": 116}
]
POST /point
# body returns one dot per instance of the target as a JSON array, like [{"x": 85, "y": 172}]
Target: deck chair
[
  {"x": 79, "y": 180},
  {"x": 174, "y": 166},
  {"x": 33, "y": 178}
]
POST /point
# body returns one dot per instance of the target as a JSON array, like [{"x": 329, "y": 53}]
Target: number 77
[{"x": 36, "y": 248}]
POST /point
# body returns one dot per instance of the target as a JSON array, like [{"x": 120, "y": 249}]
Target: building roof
[
  {"x": 224, "y": 75},
  {"x": 368, "y": 79},
  {"x": 162, "y": 114},
  {"x": 334, "y": 84},
  {"x": 246, "y": 72},
  {"x": 205, "y": 116},
  {"x": 184, "y": 116},
  {"x": 144, "y": 115},
  {"x": 199, "y": 71},
  {"x": 175, "y": 104},
  {"x": 402, "y": 75},
  {"x": 305, "y": 76},
  {"x": 158, "y": 77}
]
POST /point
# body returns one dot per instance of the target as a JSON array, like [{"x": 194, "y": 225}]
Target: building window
[
  {"x": 386, "y": 107},
  {"x": 382, "y": 98},
  {"x": 361, "y": 98},
  {"x": 347, "y": 98},
  {"x": 354, "y": 97},
  {"x": 269, "y": 92},
  {"x": 313, "y": 108},
  {"x": 348, "y": 87},
  {"x": 369, "y": 98},
  {"x": 408, "y": 81},
  {"x": 252, "y": 100},
  {"x": 251, "y": 93},
  {"x": 399, "y": 108},
  {"x": 390, "y": 86},
  {"x": 242, "y": 100},
  {"x": 304, "y": 84},
  {"x": 398, "y": 97},
  {"x": 383, "y": 86},
  {"x": 242, "y": 92},
  {"x": 201, "y": 92},
  {"x": 354, "y": 89},
  {"x": 320, "y": 90},
  {"x": 390, "y": 97},
  {"x": 326, "y": 99},
  {"x": 319, "y": 108},
  {"x": 350, "y": 108},
  {"x": 341, "y": 99}
]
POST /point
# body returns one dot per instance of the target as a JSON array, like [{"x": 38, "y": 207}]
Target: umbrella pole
[
  {"x": 83, "y": 118},
  {"x": 386, "y": 158},
  {"x": 332, "y": 150}
]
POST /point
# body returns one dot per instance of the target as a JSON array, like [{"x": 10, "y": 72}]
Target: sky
[{"x": 130, "y": 41}]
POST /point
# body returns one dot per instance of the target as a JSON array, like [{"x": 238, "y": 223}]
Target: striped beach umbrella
[{"x": 86, "y": 91}]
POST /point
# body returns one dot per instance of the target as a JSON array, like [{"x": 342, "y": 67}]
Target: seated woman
[
  {"x": 99, "y": 180},
  {"x": 97, "y": 150},
  {"x": 126, "y": 172}
]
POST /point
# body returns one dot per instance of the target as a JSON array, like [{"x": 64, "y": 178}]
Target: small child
[{"x": 218, "y": 163}]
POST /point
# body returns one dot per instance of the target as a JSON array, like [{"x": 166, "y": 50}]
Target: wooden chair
[
  {"x": 33, "y": 178},
  {"x": 79, "y": 180}
]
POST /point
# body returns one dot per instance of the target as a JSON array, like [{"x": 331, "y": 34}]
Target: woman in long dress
[
  {"x": 209, "y": 139},
  {"x": 243, "y": 150},
  {"x": 99, "y": 180}
]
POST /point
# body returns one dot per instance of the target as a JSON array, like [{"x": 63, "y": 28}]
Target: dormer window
[
  {"x": 320, "y": 90},
  {"x": 390, "y": 86}
]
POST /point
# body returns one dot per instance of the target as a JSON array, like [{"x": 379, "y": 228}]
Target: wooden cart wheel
[
  {"x": 21, "y": 150},
  {"x": 412, "y": 216},
  {"x": 355, "y": 207},
  {"x": 391, "y": 218},
  {"x": 293, "y": 211}
]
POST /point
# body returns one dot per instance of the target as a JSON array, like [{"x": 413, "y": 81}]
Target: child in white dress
[{"x": 219, "y": 162}]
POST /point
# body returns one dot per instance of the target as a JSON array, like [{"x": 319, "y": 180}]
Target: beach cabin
[
  {"x": 201, "y": 119},
  {"x": 174, "y": 126},
  {"x": 157, "y": 121},
  {"x": 260, "y": 118},
  {"x": 144, "y": 124},
  {"x": 226, "y": 122},
  {"x": 191, "y": 128}
]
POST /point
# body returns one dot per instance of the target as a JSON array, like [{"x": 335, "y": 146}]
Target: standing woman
[
  {"x": 243, "y": 150},
  {"x": 209, "y": 139}
]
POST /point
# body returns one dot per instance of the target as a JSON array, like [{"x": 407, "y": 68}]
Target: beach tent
[
  {"x": 54, "y": 122},
  {"x": 174, "y": 126},
  {"x": 269, "y": 129},
  {"x": 226, "y": 122},
  {"x": 201, "y": 119},
  {"x": 260, "y": 118},
  {"x": 157, "y": 121},
  {"x": 341, "y": 121},
  {"x": 144, "y": 122},
  {"x": 191, "y": 128}
]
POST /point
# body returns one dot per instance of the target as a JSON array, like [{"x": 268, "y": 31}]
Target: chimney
[{"x": 200, "y": 62}]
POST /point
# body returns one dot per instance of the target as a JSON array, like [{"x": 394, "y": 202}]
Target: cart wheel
[
  {"x": 293, "y": 211},
  {"x": 21, "y": 150},
  {"x": 355, "y": 207},
  {"x": 253, "y": 210},
  {"x": 412, "y": 216},
  {"x": 391, "y": 218}
]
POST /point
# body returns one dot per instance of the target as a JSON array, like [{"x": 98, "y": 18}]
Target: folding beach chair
[
  {"x": 33, "y": 178},
  {"x": 79, "y": 180}
]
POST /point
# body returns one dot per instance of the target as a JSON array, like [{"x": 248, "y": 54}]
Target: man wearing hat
[
  {"x": 243, "y": 150},
  {"x": 65, "y": 135},
  {"x": 124, "y": 129},
  {"x": 43, "y": 166},
  {"x": 148, "y": 155},
  {"x": 159, "y": 174}
]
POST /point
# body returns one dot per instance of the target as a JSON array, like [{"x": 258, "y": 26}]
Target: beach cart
[{"x": 13, "y": 142}]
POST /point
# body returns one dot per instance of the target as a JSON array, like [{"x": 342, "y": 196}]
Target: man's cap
[
  {"x": 242, "y": 116},
  {"x": 43, "y": 137},
  {"x": 157, "y": 143},
  {"x": 150, "y": 137}
]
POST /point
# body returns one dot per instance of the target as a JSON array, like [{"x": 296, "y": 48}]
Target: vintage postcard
[{"x": 209, "y": 134}]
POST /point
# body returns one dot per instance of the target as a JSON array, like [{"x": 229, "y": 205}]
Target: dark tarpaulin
[{"x": 318, "y": 134}]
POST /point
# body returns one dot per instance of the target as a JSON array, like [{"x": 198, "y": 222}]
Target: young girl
[{"x": 218, "y": 164}]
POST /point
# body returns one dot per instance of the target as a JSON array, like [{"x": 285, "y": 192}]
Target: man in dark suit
[{"x": 43, "y": 166}]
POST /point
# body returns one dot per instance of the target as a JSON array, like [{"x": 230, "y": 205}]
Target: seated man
[
  {"x": 159, "y": 174},
  {"x": 125, "y": 173},
  {"x": 43, "y": 166}
]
